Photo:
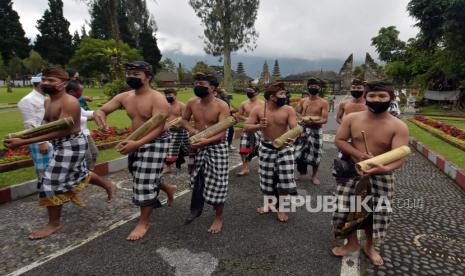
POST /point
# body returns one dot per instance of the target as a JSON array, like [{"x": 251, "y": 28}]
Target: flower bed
[
  {"x": 444, "y": 127},
  {"x": 20, "y": 158},
  {"x": 440, "y": 130}
]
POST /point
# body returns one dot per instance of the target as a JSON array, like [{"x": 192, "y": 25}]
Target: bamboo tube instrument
[
  {"x": 146, "y": 127},
  {"x": 174, "y": 123},
  {"x": 60, "y": 124},
  {"x": 310, "y": 119},
  {"x": 214, "y": 129},
  {"x": 292, "y": 134},
  {"x": 385, "y": 158}
]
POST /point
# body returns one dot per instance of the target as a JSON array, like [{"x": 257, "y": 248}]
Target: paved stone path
[{"x": 426, "y": 236}]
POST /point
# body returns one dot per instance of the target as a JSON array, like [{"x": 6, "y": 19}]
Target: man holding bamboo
[
  {"x": 32, "y": 107},
  {"x": 209, "y": 171},
  {"x": 147, "y": 153},
  {"x": 248, "y": 142},
  {"x": 66, "y": 173},
  {"x": 371, "y": 133},
  {"x": 309, "y": 146},
  {"x": 276, "y": 165},
  {"x": 179, "y": 136}
]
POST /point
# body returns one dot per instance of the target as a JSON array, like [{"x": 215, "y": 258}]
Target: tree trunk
[
  {"x": 227, "y": 80},
  {"x": 114, "y": 20}
]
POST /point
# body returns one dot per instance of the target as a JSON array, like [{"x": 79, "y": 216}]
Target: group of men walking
[{"x": 152, "y": 156}]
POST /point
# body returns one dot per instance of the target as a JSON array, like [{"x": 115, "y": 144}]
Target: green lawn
[
  {"x": 436, "y": 109},
  {"x": 437, "y": 145},
  {"x": 20, "y": 92},
  {"x": 25, "y": 174}
]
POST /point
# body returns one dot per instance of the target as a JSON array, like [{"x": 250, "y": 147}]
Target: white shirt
[
  {"x": 85, "y": 114},
  {"x": 32, "y": 108}
]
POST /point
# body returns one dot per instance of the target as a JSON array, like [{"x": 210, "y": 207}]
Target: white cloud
[{"x": 308, "y": 29}]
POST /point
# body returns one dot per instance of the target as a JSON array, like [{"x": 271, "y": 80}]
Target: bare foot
[
  {"x": 138, "y": 232},
  {"x": 216, "y": 226},
  {"x": 111, "y": 188},
  {"x": 297, "y": 177},
  {"x": 244, "y": 172},
  {"x": 263, "y": 210},
  {"x": 373, "y": 255},
  {"x": 170, "y": 190},
  {"x": 316, "y": 181},
  {"x": 282, "y": 217},
  {"x": 46, "y": 231},
  {"x": 344, "y": 250}
]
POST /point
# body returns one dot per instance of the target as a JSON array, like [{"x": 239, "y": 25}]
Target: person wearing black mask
[
  {"x": 146, "y": 156},
  {"x": 179, "y": 136},
  {"x": 209, "y": 173},
  {"x": 356, "y": 103},
  {"x": 248, "y": 142},
  {"x": 276, "y": 165},
  {"x": 384, "y": 133},
  {"x": 309, "y": 146}
]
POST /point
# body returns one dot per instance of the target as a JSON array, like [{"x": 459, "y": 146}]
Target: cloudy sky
[{"x": 308, "y": 29}]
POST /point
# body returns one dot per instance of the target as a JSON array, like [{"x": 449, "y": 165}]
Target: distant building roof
[
  {"x": 167, "y": 76},
  {"x": 442, "y": 95}
]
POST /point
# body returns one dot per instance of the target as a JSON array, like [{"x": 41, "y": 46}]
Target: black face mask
[
  {"x": 314, "y": 91},
  {"x": 280, "y": 102},
  {"x": 201, "y": 91},
  {"x": 134, "y": 82},
  {"x": 49, "y": 89},
  {"x": 170, "y": 99},
  {"x": 250, "y": 95},
  {"x": 356, "y": 93},
  {"x": 378, "y": 107}
]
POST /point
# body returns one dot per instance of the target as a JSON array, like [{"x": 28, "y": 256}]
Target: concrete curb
[
  {"x": 447, "y": 167},
  {"x": 28, "y": 188}
]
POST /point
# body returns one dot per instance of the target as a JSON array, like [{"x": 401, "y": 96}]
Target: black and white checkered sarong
[
  {"x": 179, "y": 139},
  {"x": 309, "y": 146},
  {"x": 146, "y": 165},
  {"x": 276, "y": 169},
  {"x": 212, "y": 161},
  {"x": 378, "y": 186},
  {"x": 248, "y": 142},
  {"x": 67, "y": 168}
]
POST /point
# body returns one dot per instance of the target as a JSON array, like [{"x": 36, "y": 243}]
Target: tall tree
[
  {"x": 34, "y": 62},
  {"x": 168, "y": 65},
  {"x": 388, "y": 45},
  {"x": 148, "y": 46},
  {"x": 202, "y": 67},
  {"x": 3, "y": 73},
  {"x": 12, "y": 37},
  {"x": 228, "y": 27},
  {"x": 54, "y": 42}
]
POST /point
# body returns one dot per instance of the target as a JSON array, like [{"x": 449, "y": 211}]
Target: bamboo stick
[
  {"x": 174, "y": 123},
  {"x": 385, "y": 158},
  {"x": 292, "y": 134},
  {"x": 60, "y": 124},
  {"x": 365, "y": 142},
  {"x": 214, "y": 129},
  {"x": 148, "y": 126},
  {"x": 310, "y": 119}
]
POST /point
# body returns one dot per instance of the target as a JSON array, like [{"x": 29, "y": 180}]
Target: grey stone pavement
[{"x": 426, "y": 236}]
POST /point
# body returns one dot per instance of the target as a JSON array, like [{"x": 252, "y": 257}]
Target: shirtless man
[
  {"x": 385, "y": 132},
  {"x": 179, "y": 136},
  {"x": 356, "y": 104},
  {"x": 248, "y": 142},
  {"x": 209, "y": 175},
  {"x": 309, "y": 146},
  {"x": 146, "y": 155},
  {"x": 276, "y": 166},
  {"x": 66, "y": 173}
]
